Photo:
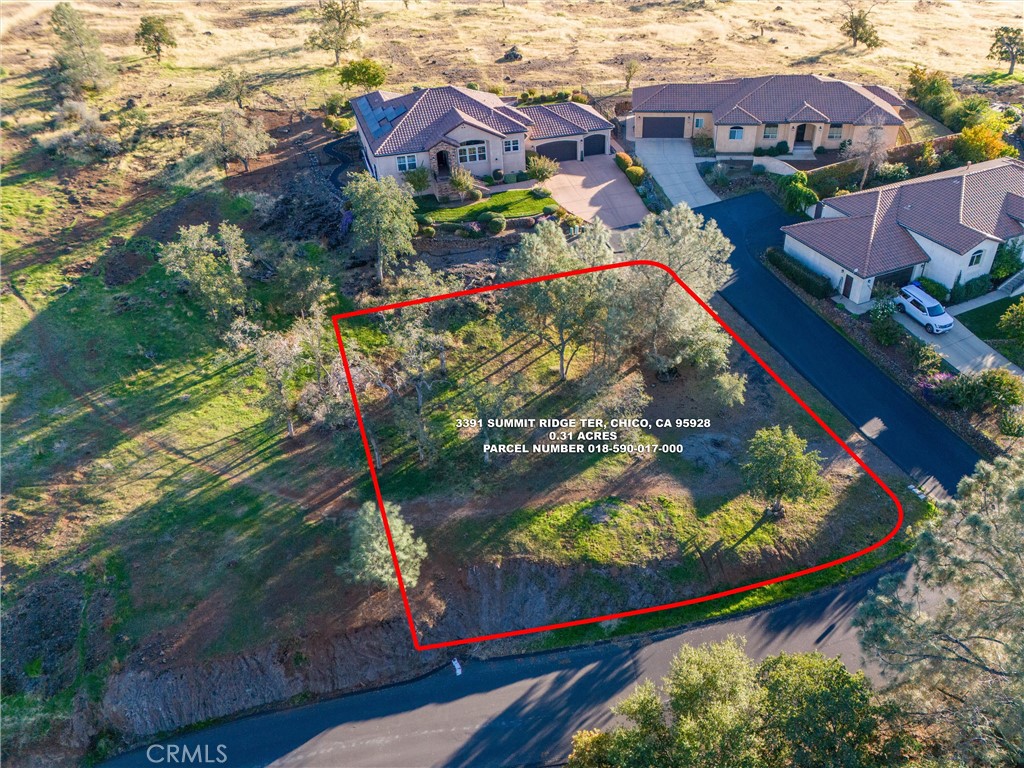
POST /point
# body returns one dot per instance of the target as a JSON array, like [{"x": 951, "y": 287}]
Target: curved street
[{"x": 512, "y": 711}]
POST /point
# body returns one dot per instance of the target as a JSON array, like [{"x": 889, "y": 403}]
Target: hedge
[
  {"x": 819, "y": 286},
  {"x": 635, "y": 174}
]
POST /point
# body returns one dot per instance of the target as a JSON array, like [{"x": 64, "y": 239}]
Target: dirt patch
[{"x": 126, "y": 262}]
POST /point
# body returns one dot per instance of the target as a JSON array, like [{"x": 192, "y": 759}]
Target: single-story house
[
  {"x": 807, "y": 111},
  {"x": 945, "y": 227},
  {"x": 441, "y": 128}
]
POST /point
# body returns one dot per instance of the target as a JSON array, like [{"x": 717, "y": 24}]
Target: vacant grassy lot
[{"x": 510, "y": 204}]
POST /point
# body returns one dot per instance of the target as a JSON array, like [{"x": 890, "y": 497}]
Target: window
[
  {"x": 511, "y": 145},
  {"x": 835, "y": 131},
  {"x": 471, "y": 151},
  {"x": 406, "y": 163},
  {"x": 976, "y": 258},
  {"x": 698, "y": 122},
  {"x": 736, "y": 132},
  {"x": 771, "y": 131}
]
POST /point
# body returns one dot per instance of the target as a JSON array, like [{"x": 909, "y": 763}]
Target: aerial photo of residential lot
[{"x": 512, "y": 383}]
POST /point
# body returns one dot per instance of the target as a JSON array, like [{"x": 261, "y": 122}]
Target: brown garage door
[
  {"x": 558, "y": 150},
  {"x": 663, "y": 127}
]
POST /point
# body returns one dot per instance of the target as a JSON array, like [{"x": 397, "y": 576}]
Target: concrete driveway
[
  {"x": 596, "y": 188},
  {"x": 672, "y": 163},
  {"x": 960, "y": 348},
  {"x": 902, "y": 428}
]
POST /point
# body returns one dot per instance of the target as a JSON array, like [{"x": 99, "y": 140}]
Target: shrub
[
  {"x": 1011, "y": 423},
  {"x": 487, "y": 179},
  {"x": 339, "y": 124},
  {"x": 886, "y": 331},
  {"x": 540, "y": 192},
  {"x": 428, "y": 231},
  {"x": 498, "y": 174},
  {"x": 757, "y": 169},
  {"x": 579, "y": 98},
  {"x": 528, "y": 222},
  {"x": 335, "y": 104},
  {"x": 550, "y": 210},
  {"x": 475, "y": 194},
  {"x": 1008, "y": 261},
  {"x": 496, "y": 225},
  {"x": 972, "y": 289},
  {"x": 782, "y": 148},
  {"x": 473, "y": 86},
  {"x": 825, "y": 186},
  {"x": 925, "y": 160},
  {"x": 934, "y": 288},
  {"x": 885, "y": 303},
  {"x": 888, "y": 173},
  {"x": 635, "y": 174},
  {"x": 994, "y": 388},
  {"x": 703, "y": 146},
  {"x": 796, "y": 195},
  {"x": 522, "y": 176},
  {"x": 484, "y": 216},
  {"x": 818, "y": 286},
  {"x": 563, "y": 95},
  {"x": 418, "y": 179},
  {"x": 1012, "y": 321},
  {"x": 541, "y": 168},
  {"x": 759, "y": 152},
  {"x": 927, "y": 362},
  {"x": 423, "y": 219},
  {"x": 623, "y": 160},
  {"x": 978, "y": 143},
  {"x": 820, "y": 150}
]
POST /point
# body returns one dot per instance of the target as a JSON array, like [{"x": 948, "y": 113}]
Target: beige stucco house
[
  {"x": 806, "y": 111},
  {"x": 441, "y": 128},
  {"x": 946, "y": 227}
]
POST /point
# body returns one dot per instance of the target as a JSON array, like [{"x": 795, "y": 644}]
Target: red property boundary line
[{"x": 623, "y": 614}]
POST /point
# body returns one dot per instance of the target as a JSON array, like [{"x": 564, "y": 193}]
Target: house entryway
[
  {"x": 801, "y": 134},
  {"x": 444, "y": 167}
]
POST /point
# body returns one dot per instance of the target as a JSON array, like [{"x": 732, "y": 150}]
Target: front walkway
[
  {"x": 596, "y": 188},
  {"x": 673, "y": 165},
  {"x": 981, "y": 301},
  {"x": 960, "y": 348}
]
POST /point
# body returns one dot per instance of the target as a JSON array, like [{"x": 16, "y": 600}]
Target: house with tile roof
[
  {"x": 945, "y": 226},
  {"x": 740, "y": 115},
  {"x": 442, "y": 128}
]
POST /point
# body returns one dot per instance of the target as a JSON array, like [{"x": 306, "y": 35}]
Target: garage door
[
  {"x": 898, "y": 278},
  {"x": 558, "y": 150},
  {"x": 663, "y": 127},
  {"x": 594, "y": 145}
]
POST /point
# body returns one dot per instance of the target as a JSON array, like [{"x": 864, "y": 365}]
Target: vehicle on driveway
[{"x": 913, "y": 301}]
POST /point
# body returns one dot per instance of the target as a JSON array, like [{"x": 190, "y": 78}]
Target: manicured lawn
[
  {"x": 511, "y": 204},
  {"x": 922, "y": 127},
  {"x": 984, "y": 323}
]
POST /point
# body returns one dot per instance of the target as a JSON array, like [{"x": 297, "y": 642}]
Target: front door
[
  {"x": 444, "y": 167},
  {"x": 847, "y": 286},
  {"x": 801, "y": 132}
]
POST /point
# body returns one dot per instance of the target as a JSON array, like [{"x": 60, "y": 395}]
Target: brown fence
[{"x": 907, "y": 152}]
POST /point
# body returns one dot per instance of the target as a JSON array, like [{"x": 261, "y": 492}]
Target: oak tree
[{"x": 384, "y": 219}]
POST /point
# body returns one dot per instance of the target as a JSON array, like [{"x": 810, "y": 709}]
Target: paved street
[
  {"x": 904, "y": 430},
  {"x": 596, "y": 188},
  {"x": 672, "y": 163},
  {"x": 510, "y": 712}
]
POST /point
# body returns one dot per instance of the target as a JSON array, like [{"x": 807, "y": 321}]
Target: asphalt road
[
  {"x": 904, "y": 430},
  {"x": 506, "y": 712}
]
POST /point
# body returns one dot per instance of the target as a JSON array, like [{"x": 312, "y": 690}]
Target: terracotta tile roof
[
  {"x": 774, "y": 99},
  {"x": 396, "y": 124},
  {"x": 566, "y": 118},
  {"x": 958, "y": 209},
  {"x": 886, "y": 94}
]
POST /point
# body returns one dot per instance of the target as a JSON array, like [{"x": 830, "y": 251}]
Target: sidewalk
[{"x": 960, "y": 348}]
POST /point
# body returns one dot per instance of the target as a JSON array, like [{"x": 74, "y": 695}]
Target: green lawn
[
  {"x": 998, "y": 78},
  {"x": 511, "y": 204},
  {"x": 984, "y": 323}
]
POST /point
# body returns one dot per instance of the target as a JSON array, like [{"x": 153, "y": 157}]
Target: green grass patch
[
  {"x": 984, "y": 321},
  {"x": 998, "y": 78},
  {"x": 511, "y": 204}
]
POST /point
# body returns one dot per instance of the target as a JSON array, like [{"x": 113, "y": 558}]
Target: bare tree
[
  {"x": 872, "y": 151},
  {"x": 630, "y": 69}
]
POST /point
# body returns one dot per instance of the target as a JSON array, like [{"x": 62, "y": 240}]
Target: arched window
[
  {"x": 976, "y": 258},
  {"x": 736, "y": 132},
  {"x": 471, "y": 151}
]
